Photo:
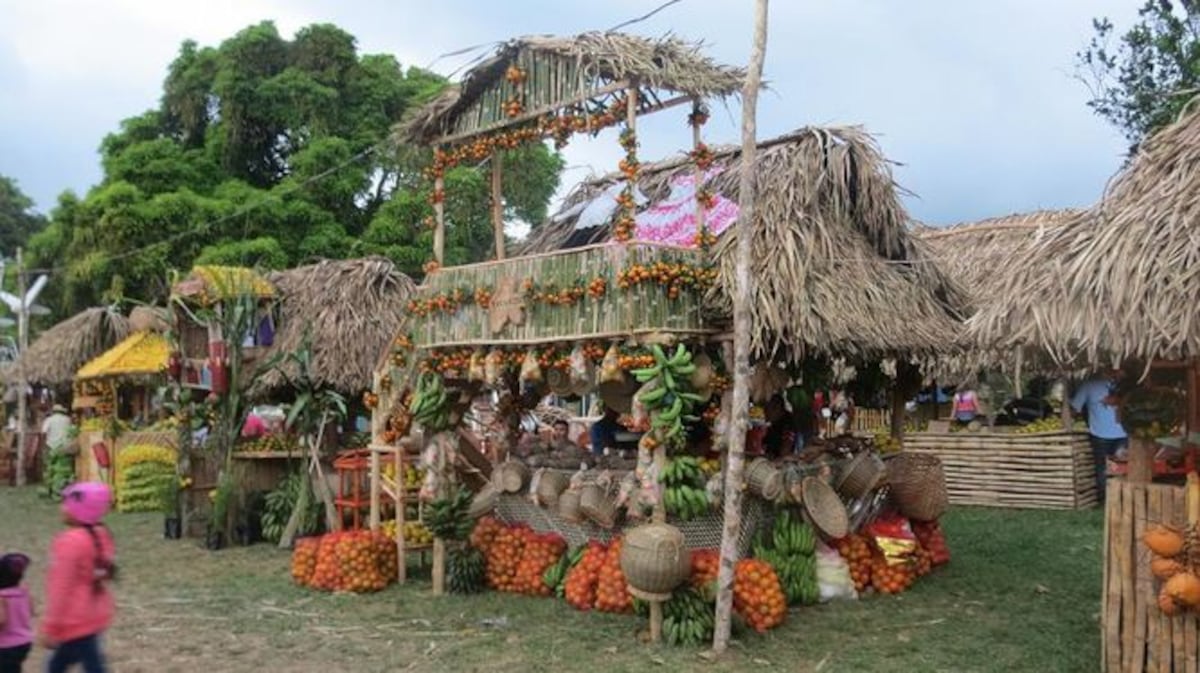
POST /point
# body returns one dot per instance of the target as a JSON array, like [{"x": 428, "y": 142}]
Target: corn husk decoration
[
  {"x": 475, "y": 368},
  {"x": 531, "y": 369},
  {"x": 610, "y": 366},
  {"x": 493, "y": 367}
]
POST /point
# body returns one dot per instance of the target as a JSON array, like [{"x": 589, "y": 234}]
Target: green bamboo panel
[{"x": 643, "y": 308}]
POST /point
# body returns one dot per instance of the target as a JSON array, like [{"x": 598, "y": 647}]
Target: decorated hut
[
  {"x": 53, "y": 359},
  {"x": 1120, "y": 285}
]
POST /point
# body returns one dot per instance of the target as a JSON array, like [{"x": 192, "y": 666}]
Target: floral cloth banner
[{"x": 673, "y": 220}]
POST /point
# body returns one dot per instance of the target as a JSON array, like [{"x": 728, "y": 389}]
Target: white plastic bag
[{"x": 833, "y": 575}]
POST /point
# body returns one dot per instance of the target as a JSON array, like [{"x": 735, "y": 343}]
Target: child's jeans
[
  {"x": 11, "y": 658},
  {"x": 84, "y": 651}
]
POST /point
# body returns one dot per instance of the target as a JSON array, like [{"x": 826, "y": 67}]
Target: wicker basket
[
  {"x": 596, "y": 505},
  {"x": 550, "y": 484},
  {"x": 824, "y": 509},
  {"x": 511, "y": 476},
  {"x": 918, "y": 485},
  {"x": 862, "y": 475},
  {"x": 568, "y": 506},
  {"x": 484, "y": 501},
  {"x": 764, "y": 479},
  {"x": 655, "y": 558}
]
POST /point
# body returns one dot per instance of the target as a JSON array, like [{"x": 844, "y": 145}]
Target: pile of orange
[
  {"x": 891, "y": 578},
  {"x": 596, "y": 582},
  {"x": 516, "y": 556},
  {"x": 930, "y": 536},
  {"x": 858, "y": 554},
  {"x": 579, "y": 587},
  {"x": 705, "y": 565},
  {"x": 758, "y": 596},
  {"x": 356, "y": 561}
]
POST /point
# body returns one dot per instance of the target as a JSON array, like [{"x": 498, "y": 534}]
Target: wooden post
[
  {"x": 376, "y": 477},
  {"x": 1068, "y": 419},
  {"x": 497, "y": 205},
  {"x": 401, "y": 506},
  {"x": 439, "y": 216},
  {"x": 22, "y": 381},
  {"x": 701, "y": 215},
  {"x": 1141, "y": 461},
  {"x": 742, "y": 297},
  {"x": 439, "y": 566},
  {"x": 1017, "y": 387}
]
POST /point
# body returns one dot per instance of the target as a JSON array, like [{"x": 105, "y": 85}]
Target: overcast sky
[{"x": 977, "y": 100}]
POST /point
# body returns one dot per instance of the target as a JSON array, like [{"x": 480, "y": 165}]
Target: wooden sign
[{"x": 507, "y": 306}]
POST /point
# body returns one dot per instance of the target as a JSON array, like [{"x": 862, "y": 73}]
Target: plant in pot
[
  {"x": 215, "y": 538},
  {"x": 169, "y": 503}
]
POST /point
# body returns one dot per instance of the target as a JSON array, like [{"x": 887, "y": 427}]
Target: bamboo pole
[
  {"x": 741, "y": 327},
  {"x": 497, "y": 205},
  {"x": 439, "y": 214},
  {"x": 697, "y": 141}
]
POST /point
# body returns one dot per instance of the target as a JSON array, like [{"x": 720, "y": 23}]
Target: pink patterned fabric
[{"x": 673, "y": 220}]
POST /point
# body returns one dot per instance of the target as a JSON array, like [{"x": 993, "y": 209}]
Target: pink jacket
[
  {"x": 74, "y": 608},
  {"x": 18, "y": 624}
]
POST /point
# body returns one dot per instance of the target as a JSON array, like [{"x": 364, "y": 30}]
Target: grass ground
[{"x": 1021, "y": 594}]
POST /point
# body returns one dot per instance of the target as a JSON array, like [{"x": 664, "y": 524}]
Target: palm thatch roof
[
  {"x": 350, "y": 309},
  {"x": 141, "y": 354},
  {"x": 566, "y": 70},
  {"x": 835, "y": 268},
  {"x": 53, "y": 359},
  {"x": 1123, "y": 280},
  {"x": 973, "y": 253},
  {"x": 210, "y": 284}
]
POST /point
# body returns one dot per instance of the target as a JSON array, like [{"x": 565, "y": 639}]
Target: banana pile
[
  {"x": 665, "y": 392},
  {"x": 429, "y": 405},
  {"x": 688, "y": 619},
  {"x": 555, "y": 576},
  {"x": 710, "y": 466},
  {"x": 793, "y": 555},
  {"x": 1050, "y": 424},
  {"x": 466, "y": 571},
  {"x": 684, "y": 494}
]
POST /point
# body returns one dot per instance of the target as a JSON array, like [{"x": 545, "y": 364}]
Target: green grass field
[{"x": 1022, "y": 593}]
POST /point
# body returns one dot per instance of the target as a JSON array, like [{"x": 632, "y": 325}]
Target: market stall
[{"x": 1117, "y": 285}]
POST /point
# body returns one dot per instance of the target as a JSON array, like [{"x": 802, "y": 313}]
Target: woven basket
[
  {"x": 862, "y": 475},
  {"x": 764, "y": 479},
  {"x": 484, "y": 501},
  {"x": 511, "y": 476},
  {"x": 825, "y": 509},
  {"x": 568, "y": 506},
  {"x": 550, "y": 485},
  {"x": 655, "y": 558},
  {"x": 596, "y": 505},
  {"x": 918, "y": 485}
]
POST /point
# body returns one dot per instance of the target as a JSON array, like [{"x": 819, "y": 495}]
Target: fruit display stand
[
  {"x": 1048, "y": 470},
  {"x": 395, "y": 489}
]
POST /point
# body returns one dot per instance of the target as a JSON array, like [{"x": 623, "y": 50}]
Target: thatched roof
[
  {"x": 1123, "y": 280},
  {"x": 352, "y": 310},
  {"x": 974, "y": 254},
  {"x": 53, "y": 359},
  {"x": 573, "y": 68},
  {"x": 209, "y": 284},
  {"x": 836, "y": 269},
  {"x": 141, "y": 354}
]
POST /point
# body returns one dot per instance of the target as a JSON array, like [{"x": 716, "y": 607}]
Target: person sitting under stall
[
  {"x": 604, "y": 432},
  {"x": 779, "y": 438}
]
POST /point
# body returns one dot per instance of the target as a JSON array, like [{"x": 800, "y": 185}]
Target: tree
[
  {"x": 270, "y": 152},
  {"x": 1142, "y": 81},
  {"x": 17, "y": 220}
]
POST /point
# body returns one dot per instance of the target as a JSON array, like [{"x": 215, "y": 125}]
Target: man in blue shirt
[
  {"x": 604, "y": 432},
  {"x": 1107, "y": 437}
]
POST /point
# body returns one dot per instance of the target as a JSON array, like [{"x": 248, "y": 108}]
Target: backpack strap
[{"x": 103, "y": 570}]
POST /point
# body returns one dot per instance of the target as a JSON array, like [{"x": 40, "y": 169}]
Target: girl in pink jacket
[
  {"x": 16, "y": 613},
  {"x": 79, "y": 602}
]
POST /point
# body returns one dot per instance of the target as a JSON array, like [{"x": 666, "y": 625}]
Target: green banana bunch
[
  {"x": 448, "y": 518},
  {"x": 429, "y": 403},
  {"x": 556, "y": 574},
  {"x": 792, "y": 555},
  {"x": 466, "y": 571},
  {"x": 688, "y": 619},
  {"x": 684, "y": 493}
]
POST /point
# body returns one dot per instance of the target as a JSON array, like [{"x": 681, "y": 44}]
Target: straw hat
[
  {"x": 618, "y": 395},
  {"x": 558, "y": 380}
]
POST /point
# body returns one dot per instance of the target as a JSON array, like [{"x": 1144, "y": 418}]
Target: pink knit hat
[{"x": 87, "y": 502}]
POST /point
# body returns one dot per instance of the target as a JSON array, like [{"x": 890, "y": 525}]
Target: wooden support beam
[
  {"x": 439, "y": 215},
  {"x": 497, "y": 205}
]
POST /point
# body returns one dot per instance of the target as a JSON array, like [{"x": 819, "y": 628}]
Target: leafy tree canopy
[
  {"x": 268, "y": 152},
  {"x": 1141, "y": 79},
  {"x": 17, "y": 220}
]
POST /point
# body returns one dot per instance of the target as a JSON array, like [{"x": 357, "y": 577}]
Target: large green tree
[
  {"x": 1141, "y": 78},
  {"x": 17, "y": 220},
  {"x": 271, "y": 152}
]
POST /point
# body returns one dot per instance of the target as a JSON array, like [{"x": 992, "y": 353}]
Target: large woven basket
[
  {"x": 484, "y": 501},
  {"x": 550, "y": 484},
  {"x": 918, "y": 485},
  {"x": 824, "y": 509},
  {"x": 655, "y": 558},
  {"x": 862, "y": 475},
  {"x": 764, "y": 479},
  {"x": 511, "y": 476},
  {"x": 597, "y": 506},
  {"x": 568, "y": 506}
]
